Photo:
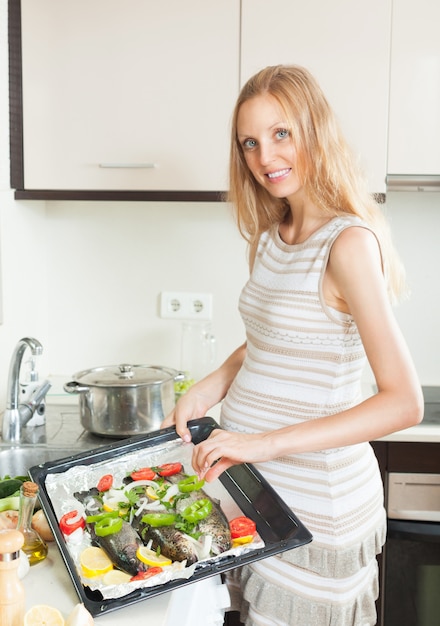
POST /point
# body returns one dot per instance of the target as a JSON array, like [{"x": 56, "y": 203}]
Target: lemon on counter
[
  {"x": 43, "y": 615},
  {"x": 80, "y": 617},
  {"x": 95, "y": 562},
  {"x": 150, "y": 557}
]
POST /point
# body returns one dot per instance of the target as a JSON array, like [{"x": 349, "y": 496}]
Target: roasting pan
[{"x": 277, "y": 526}]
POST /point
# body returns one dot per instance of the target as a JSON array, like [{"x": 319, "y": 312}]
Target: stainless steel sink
[
  {"x": 60, "y": 437},
  {"x": 16, "y": 461}
]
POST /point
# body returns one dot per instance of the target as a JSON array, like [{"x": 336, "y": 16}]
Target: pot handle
[
  {"x": 74, "y": 387},
  {"x": 179, "y": 376}
]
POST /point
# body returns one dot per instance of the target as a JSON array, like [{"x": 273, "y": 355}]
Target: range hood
[{"x": 413, "y": 182}]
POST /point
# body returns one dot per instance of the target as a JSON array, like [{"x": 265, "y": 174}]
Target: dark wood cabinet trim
[
  {"x": 119, "y": 195},
  {"x": 414, "y": 457},
  {"x": 15, "y": 95}
]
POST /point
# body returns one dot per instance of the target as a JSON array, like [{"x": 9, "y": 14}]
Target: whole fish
[
  {"x": 171, "y": 541},
  {"x": 120, "y": 547},
  {"x": 216, "y": 524}
]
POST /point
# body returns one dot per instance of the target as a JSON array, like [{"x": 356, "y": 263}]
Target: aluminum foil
[{"x": 61, "y": 487}]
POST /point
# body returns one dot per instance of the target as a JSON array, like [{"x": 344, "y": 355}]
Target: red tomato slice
[
  {"x": 145, "y": 473},
  {"x": 168, "y": 469},
  {"x": 105, "y": 483},
  {"x": 242, "y": 527},
  {"x": 151, "y": 571}
]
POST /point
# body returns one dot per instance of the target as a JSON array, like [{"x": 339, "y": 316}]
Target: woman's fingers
[
  {"x": 179, "y": 420},
  {"x": 218, "y": 468},
  {"x": 221, "y": 450}
]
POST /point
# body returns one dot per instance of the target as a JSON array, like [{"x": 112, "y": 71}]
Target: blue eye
[
  {"x": 282, "y": 133},
  {"x": 248, "y": 144}
]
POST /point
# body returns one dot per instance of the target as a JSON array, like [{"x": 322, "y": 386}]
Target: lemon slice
[
  {"x": 116, "y": 577},
  {"x": 113, "y": 505},
  {"x": 151, "y": 493},
  {"x": 43, "y": 615},
  {"x": 95, "y": 562},
  {"x": 240, "y": 541},
  {"x": 150, "y": 557}
]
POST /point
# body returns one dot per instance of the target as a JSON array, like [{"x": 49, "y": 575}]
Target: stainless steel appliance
[{"x": 412, "y": 556}]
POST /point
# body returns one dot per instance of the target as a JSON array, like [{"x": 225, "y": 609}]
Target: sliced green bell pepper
[{"x": 197, "y": 511}]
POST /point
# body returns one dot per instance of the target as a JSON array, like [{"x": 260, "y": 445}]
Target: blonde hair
[{"x": 326, "y": 166}]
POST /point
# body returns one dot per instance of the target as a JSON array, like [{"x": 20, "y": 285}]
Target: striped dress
[{"x": 304, "y": 360}]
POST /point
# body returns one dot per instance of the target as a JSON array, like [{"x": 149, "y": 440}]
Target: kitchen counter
[
  {"x": 198, "y": 604},
  {"x": 423, "y": 433}
]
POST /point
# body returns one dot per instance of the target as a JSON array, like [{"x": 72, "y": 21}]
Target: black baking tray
[{"x": 277, "y": 526}]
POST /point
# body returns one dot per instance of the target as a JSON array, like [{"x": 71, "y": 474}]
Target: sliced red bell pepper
[
  {"x": 151, "y": 571},
  {"x": 71, "y": 521}
]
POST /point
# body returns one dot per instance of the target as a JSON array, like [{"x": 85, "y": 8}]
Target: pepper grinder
[
  {"x": 34, "y": 546},
  {"x": 12, "y": 604}
]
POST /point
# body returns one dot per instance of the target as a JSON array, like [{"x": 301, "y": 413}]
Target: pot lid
[{"x": 126, "y": 375}]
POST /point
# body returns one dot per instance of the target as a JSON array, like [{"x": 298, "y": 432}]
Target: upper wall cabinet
[
  {"x": 414, "y": 126},
  {"x": 346, "y": 45},
  {"x": 128, "y": 96}
]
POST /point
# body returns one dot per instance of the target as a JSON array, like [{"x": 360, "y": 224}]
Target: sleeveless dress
[{"x": 304, "y": 360}]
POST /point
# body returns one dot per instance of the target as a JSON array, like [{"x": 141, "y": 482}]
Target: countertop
[
  {"x": 198, "y": 604},
  {"x": 67, "y": 405},
  {"x": 425, "y": 433}
]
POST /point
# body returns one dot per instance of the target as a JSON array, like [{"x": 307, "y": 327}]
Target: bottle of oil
[
  {"x": 34, "y": 546},
  {"x": 12, "y": 599}
]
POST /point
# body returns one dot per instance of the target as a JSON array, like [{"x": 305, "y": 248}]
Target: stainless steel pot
[{"x": 124, "y": 400}]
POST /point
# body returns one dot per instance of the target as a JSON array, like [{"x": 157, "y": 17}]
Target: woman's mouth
[{"x": 278, "y": 175}]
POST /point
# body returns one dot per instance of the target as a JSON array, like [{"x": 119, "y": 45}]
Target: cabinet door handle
[{"x": 131, "y": 166}]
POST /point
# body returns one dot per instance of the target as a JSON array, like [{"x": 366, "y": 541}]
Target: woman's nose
[{"x": 266, "y": 153}]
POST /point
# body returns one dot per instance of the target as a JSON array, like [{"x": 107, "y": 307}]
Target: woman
[{"x": 316, "y": 306}]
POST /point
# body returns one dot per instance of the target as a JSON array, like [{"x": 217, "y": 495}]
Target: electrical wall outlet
[{"x": 182, "y": 305}]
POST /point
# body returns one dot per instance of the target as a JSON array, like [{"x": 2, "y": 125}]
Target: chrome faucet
[{"x": 18, "y": 415}]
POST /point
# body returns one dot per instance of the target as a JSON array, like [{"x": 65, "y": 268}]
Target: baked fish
[
  {"x": 172, "y": 542},
  {"x": 120, "y": 547},
  {"x": 216, "y": 524}
]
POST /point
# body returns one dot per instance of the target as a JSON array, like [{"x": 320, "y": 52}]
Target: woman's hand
[
  {"x": 223, "y": 449},
  {"x": 192, "y": 405}
]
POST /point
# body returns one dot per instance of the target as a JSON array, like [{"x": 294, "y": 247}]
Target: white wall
[
  {"x": 415, "y": 223},
  {"x": 23, "y": 293},
  {"x": 84, "y": 277},
  {"x": 107, "y": 264}
]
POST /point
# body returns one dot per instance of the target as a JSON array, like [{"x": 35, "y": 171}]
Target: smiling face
[{"x": 267, "y": 145}]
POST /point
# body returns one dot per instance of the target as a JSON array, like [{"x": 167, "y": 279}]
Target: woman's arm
[
  {"x": 357, "y": 285},
  {"x": 205, "y": 394}
]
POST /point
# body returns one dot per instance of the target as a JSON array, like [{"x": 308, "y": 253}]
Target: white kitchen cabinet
[
  {"x": 414, "y": 126},
  {"x": 346, "y": 45},
  {"x": 128, "y": 96}
]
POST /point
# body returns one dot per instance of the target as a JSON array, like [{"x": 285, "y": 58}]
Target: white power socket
[{"x": 185, "y": 305}]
